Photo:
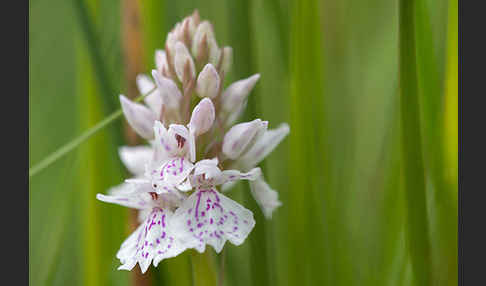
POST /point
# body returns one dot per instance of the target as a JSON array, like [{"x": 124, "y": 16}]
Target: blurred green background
[{"x": 356, "y": 210}]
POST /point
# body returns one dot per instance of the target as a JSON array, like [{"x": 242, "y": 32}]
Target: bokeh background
[{"x": 328, "y": 68}]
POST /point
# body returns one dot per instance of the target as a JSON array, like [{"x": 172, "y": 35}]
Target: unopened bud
[
  {"x": 202, "y": 119},
  {"x": 204, "y": 33},
  {"x": 208, "y": 82},
  {"x": 171, "y": 96},
  {"x": 183, "y": 63},
  {"x": 238, "y": 138},
  {"x": 238, "y": 91}
]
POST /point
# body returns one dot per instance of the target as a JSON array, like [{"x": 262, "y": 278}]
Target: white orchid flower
[
  {"x": 155, "y": 239},
  {"x": 209, "y": 217}
]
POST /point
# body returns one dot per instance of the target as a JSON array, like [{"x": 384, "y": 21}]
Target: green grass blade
[
  {"x": 309, "y": 255},
  {"x": 413, "y": 170},
  {"x": 87, "y": 25},
  {"x": 73, "y": 144}
]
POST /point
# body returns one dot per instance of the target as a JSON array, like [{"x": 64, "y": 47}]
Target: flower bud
[
  {"x": 237, "y": 92},
  {"x": 170, "y": 43},
  {"x": 238, "y": 138},
  {"x": 204, "y": 35},
  {"x": 193, "y": 23},
  {"x": 202, "y": 119},
  {"x": 169, "y": 92},
  {"x": 140, "y": 118},
  {"x": 183, "y": 63},
  {"x": 208, "y": 82}
]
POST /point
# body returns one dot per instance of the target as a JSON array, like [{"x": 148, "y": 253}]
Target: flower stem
[
  {"x": 203, "y": 270},
  {"x": 221, "y": 267},
  {"x": 73, "y": 144}
]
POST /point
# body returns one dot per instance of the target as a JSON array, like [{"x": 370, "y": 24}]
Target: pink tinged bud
[
  {"x": 153, "y": 99},
  {"x": 208, "y": 82},
  {"x": 227, "y": 55},
  {"x": 140, "y": 118},
  {"x": 170, "y": 42},
  {"x": 204, "y": 32},
  {"x": 183, "y": 63},
  {"x": 193, "y": 23},
  {"x": 202, "y": 119},
  {"x": 238, "y": 138},
  {"x": 235, "y": 95},
  {"x": 169, "y": 92}
]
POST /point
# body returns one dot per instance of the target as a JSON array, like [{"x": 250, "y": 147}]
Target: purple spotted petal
[
  {"x": 165, "y": 143},
  {"x": 208, "y": 217},
  {"x": 173, "y": 172},
  {"x": 153, "y": 240}
]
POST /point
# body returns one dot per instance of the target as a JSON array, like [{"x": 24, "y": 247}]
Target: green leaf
[{"x": 413, "y": 170}]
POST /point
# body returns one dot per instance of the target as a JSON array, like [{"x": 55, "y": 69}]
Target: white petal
[
  {"x": 208, "y": 217},
  {"x": 264, "y": 145},
  {"x": 266, "y": 197},
  {"x": 139, "y": 201},
  {"x": 185, "y": 186},
  {"x": 186, "y": 144},
  {"x": 153, "y": 99},
  {"x": 171, "y": 174},
  {"x": 180, "y": 130},
  {"x": 169, "y": 92},
  {"x": 237, "y": 139},
  {"x": 181, "y": 59},
  {"x": 140, "y": 118},
  {"x": 153, "y": 240},
  {"x": 208, "y": 167},
  {"x": 165, "y": 144},
  {"x": 208, "y": 82},
  {"x": 121, "y": 189},
  {"x": 237, "y": 92},
  {"x": 144, "y": 84},
  {"x": 135, "y": 158},
  {"x": 143, "y": 214},
  {"x": 235, "y": 175}
]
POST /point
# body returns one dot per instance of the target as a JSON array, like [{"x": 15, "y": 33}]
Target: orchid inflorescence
[{"x": 191, "y": 153}]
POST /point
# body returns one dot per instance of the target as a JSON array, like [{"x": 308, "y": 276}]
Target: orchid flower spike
[{"x": 194, "y": 151}]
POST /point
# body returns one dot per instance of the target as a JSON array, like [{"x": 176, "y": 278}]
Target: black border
[
  {"x": 15, "y": 150},
  {"x": 472, "y": 142}
]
